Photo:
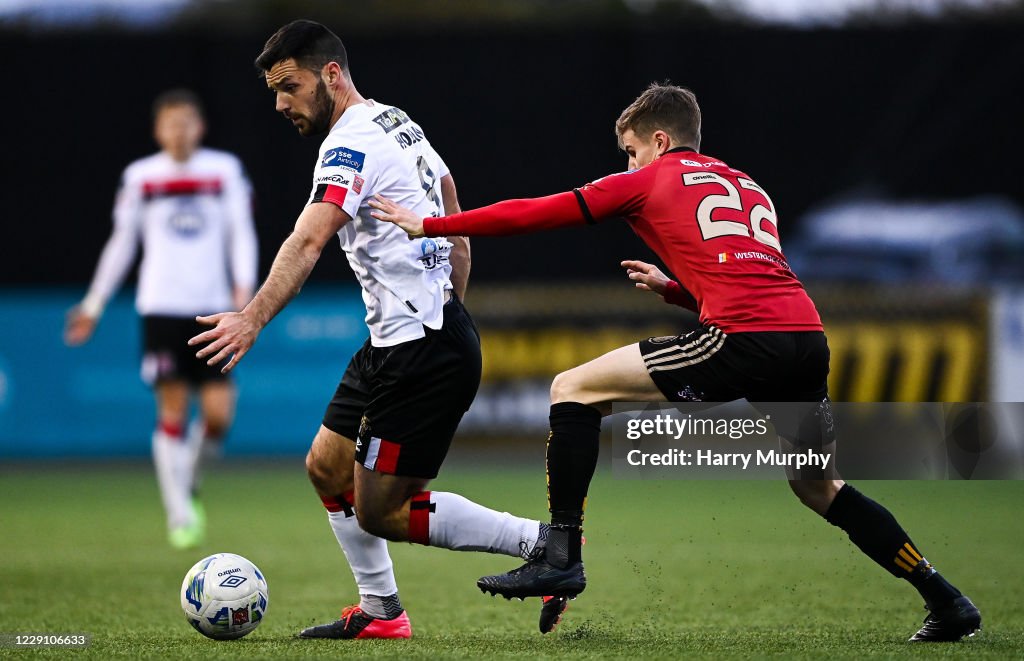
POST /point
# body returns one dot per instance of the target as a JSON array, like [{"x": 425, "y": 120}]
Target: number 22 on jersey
[{"x": 759, "y": 213}]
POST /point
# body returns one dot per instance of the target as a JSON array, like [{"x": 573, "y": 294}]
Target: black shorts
[
  {"x": 706, "y": 365},
  {"x": 168, "y": 357},
  {"x": 771, "y": 370},
  {"x": 402, "y": 404}
]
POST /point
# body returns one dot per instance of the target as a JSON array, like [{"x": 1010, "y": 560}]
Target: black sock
[
  {"x": 571, "y": 460},
  {"x": 564, "y": 545},
  {"x": 877, "y": 533}
]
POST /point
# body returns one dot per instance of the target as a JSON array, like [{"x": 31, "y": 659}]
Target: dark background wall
[{"x": 929, "y": 112}]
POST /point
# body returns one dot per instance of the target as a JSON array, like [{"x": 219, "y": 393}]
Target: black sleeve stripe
[
  {"x": 587, "y": 216},
  {"x": 321, "y": 190}
]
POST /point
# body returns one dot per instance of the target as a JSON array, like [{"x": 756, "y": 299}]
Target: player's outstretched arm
[
  {"x": 234, "y": 333},
  {"x": 650, "y": 278},
  {"x": 499, "y": 219}
]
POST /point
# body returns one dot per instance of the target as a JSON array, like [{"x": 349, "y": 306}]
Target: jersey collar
[{"x": 675, "y": 150}]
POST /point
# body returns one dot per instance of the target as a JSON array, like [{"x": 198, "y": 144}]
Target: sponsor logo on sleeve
[
  {"x": 342, "y": 157},
  {"x": 336, "y": 179},
  {"x": 357, "y": 184},
  {"x": 391, "y": 119}
]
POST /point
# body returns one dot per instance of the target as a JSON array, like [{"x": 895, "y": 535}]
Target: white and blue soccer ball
[{"x": 224, "y": 596}]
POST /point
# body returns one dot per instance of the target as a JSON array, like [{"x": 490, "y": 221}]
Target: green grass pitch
[{"x": 676, "y": 569}]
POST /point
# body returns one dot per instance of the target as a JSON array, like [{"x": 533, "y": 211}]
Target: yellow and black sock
[{"x": 875, "y": 531}]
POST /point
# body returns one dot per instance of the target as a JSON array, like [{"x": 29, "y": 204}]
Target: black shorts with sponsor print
[
  {"x": 706, "y": 365},
  {"x": 402, "y": 404},
  {"x": 166, "y": 355}
]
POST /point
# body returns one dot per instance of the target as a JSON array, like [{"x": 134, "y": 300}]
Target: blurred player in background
[
  {"x": 388, "y": 427},
  {"x": 191, "y": 208},
  {"x": 760, "y": 339}
]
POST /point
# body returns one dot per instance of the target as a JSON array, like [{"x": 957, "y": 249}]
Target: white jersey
[
  {"x": 377, "y": 149},
  {"x": 195, "y": 223}
]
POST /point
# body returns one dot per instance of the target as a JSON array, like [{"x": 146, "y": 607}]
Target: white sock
[
  {"x": 173, "y": 461},
  {"x": 459, "y": 524},
  {"x": 369, "y": 559},
  {"x": 204, "y": 451}
]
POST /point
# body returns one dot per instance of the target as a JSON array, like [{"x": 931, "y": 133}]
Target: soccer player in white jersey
[
  {"x": 387, "y": 429},
  {"x": 191, "y": 209}
]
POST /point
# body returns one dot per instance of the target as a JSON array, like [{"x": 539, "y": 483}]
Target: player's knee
[
  {"x": 313, "y": 470},
  {"x": 216, "y": 426},
  {"x": 565, "y": 388},
  {"x": 327, "y": 478}
]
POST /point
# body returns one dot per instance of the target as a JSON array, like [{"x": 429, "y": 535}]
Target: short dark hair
[
  {"x": 177, "y": 97},
  {"x": 311, "y": 45},
  {"x": 664, "y": 107}
]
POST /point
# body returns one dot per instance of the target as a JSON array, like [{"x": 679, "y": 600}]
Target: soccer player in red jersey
[{"x": 760, "y": 338}]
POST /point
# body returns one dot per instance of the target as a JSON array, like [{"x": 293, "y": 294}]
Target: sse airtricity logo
[{"x": 341, "y": 157}]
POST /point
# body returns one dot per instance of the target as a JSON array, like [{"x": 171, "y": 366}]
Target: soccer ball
[{"x": 224, "y": 596}]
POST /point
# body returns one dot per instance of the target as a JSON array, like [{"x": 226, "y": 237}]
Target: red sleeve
[
  {"x": 510, "y": 217},
  {"x": 676, "y": 294},
  {"x": 617, "y": 195}
]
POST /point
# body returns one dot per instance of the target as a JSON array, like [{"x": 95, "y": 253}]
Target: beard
[{"x": 319, "y": 121}]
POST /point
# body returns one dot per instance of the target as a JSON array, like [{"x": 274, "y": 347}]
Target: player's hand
[
  {"x": 390, "y": 212},
  {"x": 646, "y": 276},
  {"x": 233, "y": 334},
  {"x": 78, "y": 327}
]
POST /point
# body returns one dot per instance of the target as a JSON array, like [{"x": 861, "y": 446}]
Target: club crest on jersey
[
  {"x": 342, "y": 157},
  {"x": 186, "y": 222}
]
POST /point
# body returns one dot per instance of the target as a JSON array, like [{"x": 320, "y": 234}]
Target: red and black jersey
[{"x": 711, "y": 224}]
